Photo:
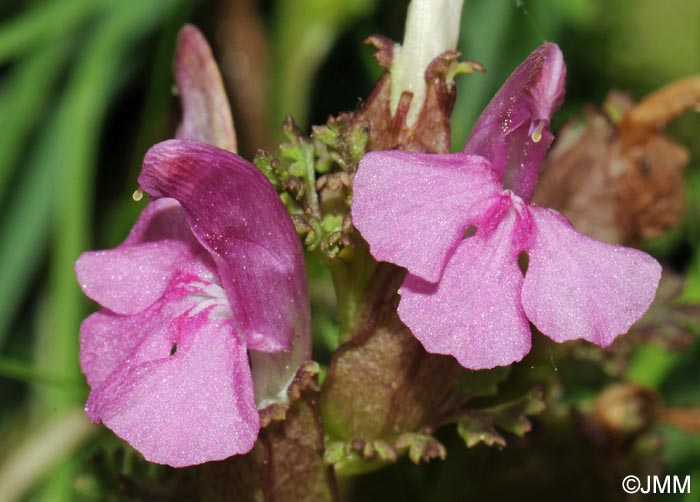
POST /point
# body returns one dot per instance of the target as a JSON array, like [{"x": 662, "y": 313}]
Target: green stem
[{"x": 350, "y": 276}]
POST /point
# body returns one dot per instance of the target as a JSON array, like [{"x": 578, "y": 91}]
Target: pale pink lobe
[
  {"x": 474, "y": 312},
  {"x": 236, "y": 214},
  {"x": 578, "y": 287},
  {"x": 184, "y": 394},
  {"x": 108, "y": 339},
  {"x": 513, "y": 131},
  {"x": 130, "y": 277},
  {"x": 181, "y": 408},
  {"x": 413, "y": 208},
  {"x": 206, "y": 113}
]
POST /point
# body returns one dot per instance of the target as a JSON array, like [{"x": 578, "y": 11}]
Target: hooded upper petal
[
  {"x": 474, "y": 312},
  {"x": 236, "y": 214},
  {"x": 513, "y": 131},
  {"x": 578, "y": 287},
  {"x": 413, "y": 208}
]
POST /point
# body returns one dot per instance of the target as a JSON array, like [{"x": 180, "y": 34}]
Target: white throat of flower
[
  {"x": 432, "y": 27},
  {"x": 211, "y": 295}
]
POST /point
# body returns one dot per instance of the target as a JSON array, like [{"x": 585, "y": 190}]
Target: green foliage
[
  {"x": 313, "y": 175},
  {"x": 480, "y": 426}
]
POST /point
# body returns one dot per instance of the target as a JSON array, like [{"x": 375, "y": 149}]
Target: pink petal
[
  {"x": 505, "y": 131},
  {"x": 238, "y": 217},
  {"x": 127, "y": 279},
  {"x": 108, "y": 338},
  {"x": 130, "y": 277},
  {"x": 205, "y": 107},
  {"x": 474, "y": 312},
  {"x": 162, "y": 219},
  {"x": 413, "y": 208},
  {"x": 577, "y": 287},
  {"x": 191, "y": 407}
]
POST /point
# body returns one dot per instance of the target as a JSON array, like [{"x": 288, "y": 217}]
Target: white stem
[{"x": 432, "y": 27}]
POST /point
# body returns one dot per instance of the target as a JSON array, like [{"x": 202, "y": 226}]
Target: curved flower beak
[{"x": 513, "y": 131}]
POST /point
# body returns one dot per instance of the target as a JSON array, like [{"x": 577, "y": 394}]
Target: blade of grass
[
  {"x": 24, "y": 96},
  {"x": 20, "y": 370},
  {"x": 80, "y": 116},
  {"x": 42, "y": 24},
  {"x": 25, "y": 226}
]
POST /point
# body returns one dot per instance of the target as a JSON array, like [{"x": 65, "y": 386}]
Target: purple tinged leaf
[
  {"x": 513, "y": 131},
  {"x": 578, "y": 287},
  {"x": 413, "y": 208},
  {"x": 205, "y": 107},
  {"x": 237, "y": 216}
]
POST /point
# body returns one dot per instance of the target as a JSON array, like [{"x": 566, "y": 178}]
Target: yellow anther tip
[{"x": 536, "y": 134}]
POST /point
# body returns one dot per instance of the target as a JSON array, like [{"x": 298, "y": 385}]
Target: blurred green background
[{"x": 86, "y": 88}]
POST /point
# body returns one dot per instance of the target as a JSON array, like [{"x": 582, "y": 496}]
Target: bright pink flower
[
  {"x": 212, "y": 268},
  {"x": 212, "y": 274},
  {"x": 458, "y": 223}
]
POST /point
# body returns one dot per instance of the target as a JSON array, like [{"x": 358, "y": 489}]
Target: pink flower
[
  {"x": 212, "y": 274},
  {"x": 458, "y": 223},
  {"x": 213, "y": 268}
]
